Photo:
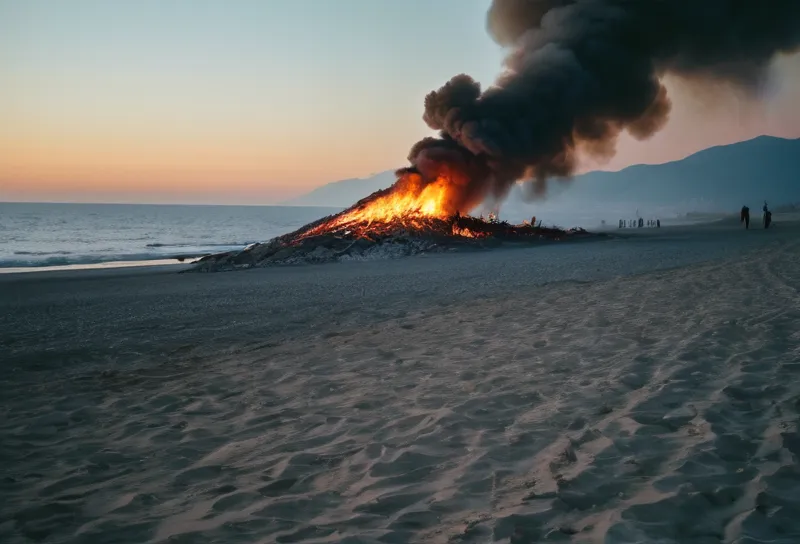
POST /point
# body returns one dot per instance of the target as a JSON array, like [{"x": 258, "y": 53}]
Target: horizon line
[{"x": 80, "y": 203}]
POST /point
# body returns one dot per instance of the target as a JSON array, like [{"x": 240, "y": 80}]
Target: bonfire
[{"x": 408, "y": 218}]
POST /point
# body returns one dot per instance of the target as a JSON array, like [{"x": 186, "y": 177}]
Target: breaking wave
[
  {"x": 179, "y": 244},
  {"x": 42, "y": 253},
  {"x": 176, "y": 252},
  {"x": 68, "y": 260}
]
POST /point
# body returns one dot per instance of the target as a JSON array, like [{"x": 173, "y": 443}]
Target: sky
[{"x": 256, "y": 101}]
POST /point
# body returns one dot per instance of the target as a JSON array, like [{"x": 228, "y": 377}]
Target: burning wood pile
[
  {"x": 354, "y": 235},
  {"x": 411, "y": 217}
]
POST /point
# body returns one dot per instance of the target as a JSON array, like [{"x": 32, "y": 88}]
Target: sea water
[{"x": 86, "y": 235}]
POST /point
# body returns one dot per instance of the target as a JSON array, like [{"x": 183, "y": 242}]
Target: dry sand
[{"x": 633, "y": 390}]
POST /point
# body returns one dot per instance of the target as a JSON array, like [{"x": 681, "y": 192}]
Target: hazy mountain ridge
[
  {"x": 714, "y": 179},
  {"x": 721, "y": 177},
  {"x": 345, "y": 192}
]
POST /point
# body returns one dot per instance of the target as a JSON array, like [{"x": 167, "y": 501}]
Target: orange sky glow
[{"x": 51, "y": 162}]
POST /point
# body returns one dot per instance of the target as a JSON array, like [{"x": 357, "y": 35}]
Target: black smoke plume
[{"x": 579, "y": 72}]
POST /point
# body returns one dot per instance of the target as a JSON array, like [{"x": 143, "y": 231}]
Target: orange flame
[
  {"x": 410, "y": 197},
  {"x": 414, "y": 207},
  {"x": 468, "y": 233},
  {"x": 411, "y": 204}
]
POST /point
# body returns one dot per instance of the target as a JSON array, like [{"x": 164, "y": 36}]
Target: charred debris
[{"x": 330, "y": 240}]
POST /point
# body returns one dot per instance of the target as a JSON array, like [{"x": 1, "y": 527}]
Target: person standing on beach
[
  {"x": 745, "y": 217},
  {"x": 767, "y": 215}
]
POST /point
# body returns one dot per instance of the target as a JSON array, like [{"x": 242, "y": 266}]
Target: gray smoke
[{"x": 579, "y": 72}]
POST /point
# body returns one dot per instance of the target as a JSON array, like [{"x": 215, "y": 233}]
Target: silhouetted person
[
  {"x": 767, "y": 215},
  {"x": 658, "y": 223},
  {"x": 745, "y": 218},
  {"x": 641, "y": 222}
]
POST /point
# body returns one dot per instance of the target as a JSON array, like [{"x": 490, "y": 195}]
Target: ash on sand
[{"x": 315, "y": 243}]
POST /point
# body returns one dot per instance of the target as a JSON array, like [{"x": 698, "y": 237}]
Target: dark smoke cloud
[{"x": 579, "y": 72}]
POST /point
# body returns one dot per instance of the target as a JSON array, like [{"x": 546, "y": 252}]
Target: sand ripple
[{"x": 654, "y": 408}]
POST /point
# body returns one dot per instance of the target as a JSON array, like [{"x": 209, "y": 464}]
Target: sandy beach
[{"x": 639, "y": 389}]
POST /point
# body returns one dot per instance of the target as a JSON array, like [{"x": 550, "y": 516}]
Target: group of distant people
[
  {"x": 633, "y": 223},
  {"x": 767, "y": 217}
]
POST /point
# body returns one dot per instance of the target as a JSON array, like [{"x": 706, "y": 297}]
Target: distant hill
[
  {"x": 718, "y": 178},
  {"x": 341, "y": 194},
  {"x": 715, "y": 179}
]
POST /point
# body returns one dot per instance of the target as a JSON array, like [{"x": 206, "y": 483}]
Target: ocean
[{"x": 38, "y": 235}]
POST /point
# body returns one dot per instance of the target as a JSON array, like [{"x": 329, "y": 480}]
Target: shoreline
[
  {"x": 177, "y": 293},
  {"x": 190, "y": 261},
  {"x": 109, "y": 265}
]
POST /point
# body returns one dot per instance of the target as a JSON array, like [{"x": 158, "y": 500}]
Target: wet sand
[{"x": 639, "y": 389}]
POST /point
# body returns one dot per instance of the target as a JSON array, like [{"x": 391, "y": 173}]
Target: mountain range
[{"x": 715, "y": 179}]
